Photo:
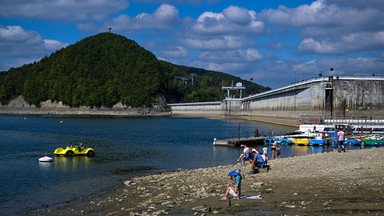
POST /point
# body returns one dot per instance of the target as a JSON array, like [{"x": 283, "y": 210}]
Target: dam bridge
[{"x": 342, "y": 97}]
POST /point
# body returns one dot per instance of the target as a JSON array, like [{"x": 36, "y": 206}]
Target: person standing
[
  {"x": 278, "y": 150},
  {"x": 273, "y": 148},
  {"x": 256, "y": 132},
  {"x": 340, "y": 139},
  {"x": 265, "y": 151}
]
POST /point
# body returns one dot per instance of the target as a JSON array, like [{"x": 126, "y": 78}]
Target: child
[
  {"x": 265, "y": 151},
  {"x": 234, "y": 191}
]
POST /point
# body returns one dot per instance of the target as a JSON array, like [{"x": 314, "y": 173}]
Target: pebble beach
[{"x": 331, "y": 183}]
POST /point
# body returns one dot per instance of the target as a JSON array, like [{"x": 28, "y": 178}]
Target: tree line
[{"x": 104, "y": 69}]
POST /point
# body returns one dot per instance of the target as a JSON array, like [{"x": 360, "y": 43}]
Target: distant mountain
[{"x": 107, "y": 68}]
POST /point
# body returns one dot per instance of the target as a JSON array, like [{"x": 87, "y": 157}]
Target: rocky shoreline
[
  {"x": 19, "y": 106},
  {"x": 319, "y": 184}
]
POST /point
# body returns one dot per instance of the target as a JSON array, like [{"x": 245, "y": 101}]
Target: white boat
[{"x": 45, "y": 159}]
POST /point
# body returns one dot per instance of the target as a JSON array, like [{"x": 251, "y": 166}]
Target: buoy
[{"x": 46, "y": 159}]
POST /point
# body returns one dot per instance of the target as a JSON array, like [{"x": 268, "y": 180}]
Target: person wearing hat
[
  {"x": 245, "y": 154},
  {"x": 234, "y": 191}
]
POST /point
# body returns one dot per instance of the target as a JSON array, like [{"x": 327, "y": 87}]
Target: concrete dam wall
[{"x": 347, "y": 96}]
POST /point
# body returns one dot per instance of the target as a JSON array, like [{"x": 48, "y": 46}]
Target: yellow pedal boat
[{"x": 71, "y": 152}]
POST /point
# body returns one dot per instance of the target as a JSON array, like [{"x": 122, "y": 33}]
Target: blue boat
[{"x": 317, "y": 142}]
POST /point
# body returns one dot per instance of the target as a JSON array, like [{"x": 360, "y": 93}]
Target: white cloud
[
  {"x": 63, "y": 10},
  {"x": 15, "y": 42},
  {"x": 232, "y": 56},
  {"x": 216, "y": 43},
  {"x": 233, "y": 20},
  {"x": 327, "y": 17},
  {"x": 346, "y": 44},
  {"x": 333, "y": 29},
  {"x": 348, "y": 66},
  {"x": 11, "y": 34},
  {"x": 165, "y": 17},
  {"x": 180, "y": 1},
  {"x": 174, "y": 52},
  {"x": 53, "y": 45}
]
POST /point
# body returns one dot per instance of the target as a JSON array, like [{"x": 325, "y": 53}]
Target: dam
[{"x": 346, "y": 97}]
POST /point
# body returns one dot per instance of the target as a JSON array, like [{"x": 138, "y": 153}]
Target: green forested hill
[{"x": 104, "y": 69}]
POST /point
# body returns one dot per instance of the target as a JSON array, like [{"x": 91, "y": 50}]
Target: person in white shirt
[
  {"x": 265, "y": 151},
  {"x": 245, "y": 154},
  {"x": 340, "y": 139}
]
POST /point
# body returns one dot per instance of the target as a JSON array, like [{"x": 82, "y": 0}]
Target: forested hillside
[{"x": 104, "y": 69}]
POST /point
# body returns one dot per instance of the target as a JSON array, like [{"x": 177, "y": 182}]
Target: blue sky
[{"x": 274, "y": 42}]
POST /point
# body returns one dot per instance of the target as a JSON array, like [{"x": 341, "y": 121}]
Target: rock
[
  {"x": 216, "y": 212},
  {"x": 325, "y": 203},
  {"x": 200, "y": 209},
  {"x": 166, "y": 203},
  {"x": 257, "y": 184}
]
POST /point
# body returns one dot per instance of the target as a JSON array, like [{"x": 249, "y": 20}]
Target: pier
[{"x": 236, "y": 142}]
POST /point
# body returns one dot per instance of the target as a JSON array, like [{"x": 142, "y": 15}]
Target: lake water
[{"x": 125, "y": 147}]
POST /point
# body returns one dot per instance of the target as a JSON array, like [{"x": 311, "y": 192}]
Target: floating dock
[{"x": 236, "y": 142}]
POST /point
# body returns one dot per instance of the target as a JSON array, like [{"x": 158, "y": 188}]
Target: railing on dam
[
  {"x": 198, "y": 107},
  {"x": 355, "y": 120},
  {"x": 196, "y": 104}
]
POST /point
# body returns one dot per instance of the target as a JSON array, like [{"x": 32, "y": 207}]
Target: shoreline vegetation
[{"x": 328, "y": 183}]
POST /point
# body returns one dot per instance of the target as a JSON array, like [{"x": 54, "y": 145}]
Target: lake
[{"x": 125, "y": 147}]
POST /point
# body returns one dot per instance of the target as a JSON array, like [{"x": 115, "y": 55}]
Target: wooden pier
[{"x": 236, "y": 142}]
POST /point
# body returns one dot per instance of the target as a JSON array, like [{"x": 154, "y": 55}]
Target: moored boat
[{"x": 45, "y": 159}]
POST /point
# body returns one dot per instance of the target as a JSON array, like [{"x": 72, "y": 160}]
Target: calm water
[{"x": 125, "y": 147}]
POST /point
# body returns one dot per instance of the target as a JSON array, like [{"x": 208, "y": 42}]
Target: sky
[{"x": 272, "y": 42}]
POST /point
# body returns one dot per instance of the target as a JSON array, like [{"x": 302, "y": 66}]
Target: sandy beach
[{"x": 347, "y": 183}]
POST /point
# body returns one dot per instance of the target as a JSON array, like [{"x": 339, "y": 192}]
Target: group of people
[
  {"x": 254, "y": 156},
  {"x": 79, "y": 147},
  {"x": 247, "y": 152},
  {"x": 275, "y": 148}
]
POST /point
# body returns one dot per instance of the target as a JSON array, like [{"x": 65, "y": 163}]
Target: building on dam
[{"x": 318, "y": 98}]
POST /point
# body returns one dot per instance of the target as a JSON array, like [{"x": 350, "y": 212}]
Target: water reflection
[
  {"x": 72, "y": 163},
  {"x": 45, "y": 165}
]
